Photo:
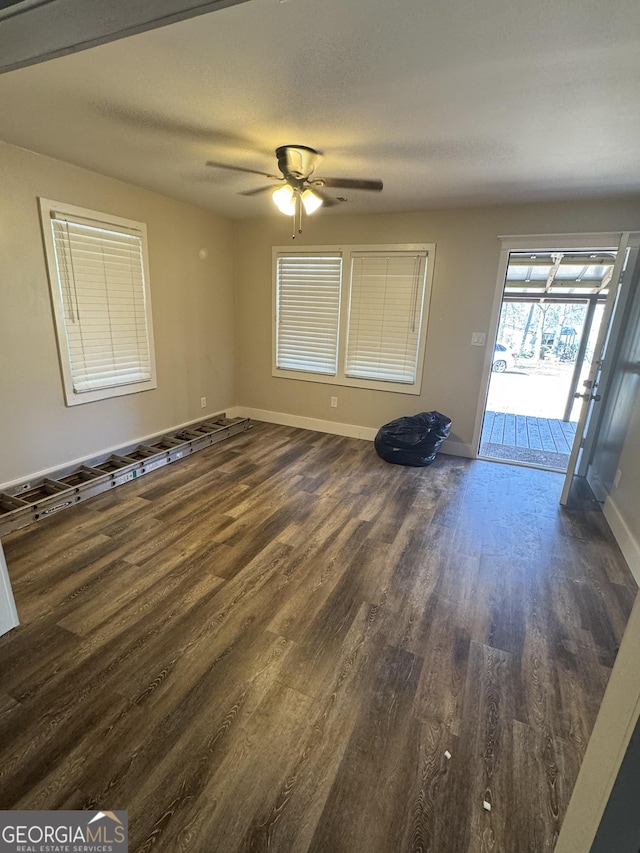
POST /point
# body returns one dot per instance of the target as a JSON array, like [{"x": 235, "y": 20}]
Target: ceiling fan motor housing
[{"x": 296, "y": 161}]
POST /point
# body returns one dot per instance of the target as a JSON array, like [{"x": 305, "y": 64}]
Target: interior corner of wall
[
  {"x": 628, "y": 543},
  {"x": 451, "y": 447}
]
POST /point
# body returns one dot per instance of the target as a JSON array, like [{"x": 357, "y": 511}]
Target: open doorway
[{"x": 551, "y": 311}]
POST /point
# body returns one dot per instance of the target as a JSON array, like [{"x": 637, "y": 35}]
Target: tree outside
[{"x": 542, "y": 330}]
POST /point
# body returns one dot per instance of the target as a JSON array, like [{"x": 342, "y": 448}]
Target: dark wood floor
[{"x": 274, "y": 644}]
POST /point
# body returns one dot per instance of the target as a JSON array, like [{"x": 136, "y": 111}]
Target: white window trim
[
  {"x": 47, "y": 207},
  {"x": 340, "y": 379}
]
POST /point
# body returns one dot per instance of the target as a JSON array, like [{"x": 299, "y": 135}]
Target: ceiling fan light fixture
[
  {"x": 285, "y": 200},
  {"x": 311, "y": 201}
]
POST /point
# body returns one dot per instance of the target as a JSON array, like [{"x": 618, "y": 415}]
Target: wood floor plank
[
  {"x": 208, "y": 629},
  {"x": 292, "y": 817},
  {"x": 320, "y": 648},
  {"x": 542, "y": 769},
  {"x": 418, "y": 825},
  {"x": 57, "y": 787},
  {"x": 191, "y": 758},
  {"x": 443, "y": 641},
  {"x": 286, "y": 644},
  {"x": 247, "y": 778},
  {"x": 315, "y": 576},
  {"x": 366, "y": 781},
  {"x": 487, "y": 728}
]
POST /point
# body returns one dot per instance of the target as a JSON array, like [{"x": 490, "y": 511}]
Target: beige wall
[
  {"x": 467, "y": 252},
  {"x": 192, "y": 303}
]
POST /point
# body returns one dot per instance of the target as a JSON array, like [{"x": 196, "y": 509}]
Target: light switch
[{"x": 478, "y": 339}]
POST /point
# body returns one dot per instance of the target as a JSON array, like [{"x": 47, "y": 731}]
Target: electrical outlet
[
  {"x": 203, "y": 402},
  {"x": 334, "y": 402},
  {"x": 478, "y": 339}
]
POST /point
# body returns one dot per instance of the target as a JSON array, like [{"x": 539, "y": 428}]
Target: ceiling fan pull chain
[{"x": 293, "y": 220}]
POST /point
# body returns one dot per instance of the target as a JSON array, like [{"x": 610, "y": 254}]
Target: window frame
[
  {"x": 346, "y": 251},
  {"x": 82, "y": 215}
]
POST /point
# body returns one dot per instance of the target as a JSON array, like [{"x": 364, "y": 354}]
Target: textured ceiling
[{"x": 449, "y": 103}]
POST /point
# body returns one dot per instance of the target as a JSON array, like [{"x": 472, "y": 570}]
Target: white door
[
  {"x": 8, "y": 612},
  {"x": 596, "y": 383}
]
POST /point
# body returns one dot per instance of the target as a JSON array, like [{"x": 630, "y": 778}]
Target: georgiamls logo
[{"x": 63, "y": 831}]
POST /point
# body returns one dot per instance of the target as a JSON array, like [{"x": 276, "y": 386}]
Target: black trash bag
[{"x": 413, "y": 440}]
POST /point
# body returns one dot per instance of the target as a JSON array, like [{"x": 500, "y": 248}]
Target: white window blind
[
  {"x": 366, "y": 331},
  {"x": 385, "y": 315},
  {"x": 100, "y": 271},
  {"x": 308, "y": 312}
]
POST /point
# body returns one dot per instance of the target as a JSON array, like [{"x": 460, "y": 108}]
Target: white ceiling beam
[
  {"x": 570, "y": 258},
  {"x": 33, "y": 31}
]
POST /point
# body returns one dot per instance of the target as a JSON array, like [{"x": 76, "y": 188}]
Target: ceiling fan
[{"x": 297, "y": 189}]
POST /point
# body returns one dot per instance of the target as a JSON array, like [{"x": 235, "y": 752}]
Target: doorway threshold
[{"x": 526, "y": 440}]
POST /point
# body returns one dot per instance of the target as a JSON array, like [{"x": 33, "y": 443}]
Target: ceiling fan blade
[
  {"x": 351, "y": 183},
  {"x": 259, "y": 190},
  {"x": 327, "y": 200},
  {"x": 217, "y": 165}
]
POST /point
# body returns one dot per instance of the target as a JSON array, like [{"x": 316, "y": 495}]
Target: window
[
  {"x": 308, "y": 312},
  {"x": 352, "y": 315},
  {"x": 100, "y": 294}
]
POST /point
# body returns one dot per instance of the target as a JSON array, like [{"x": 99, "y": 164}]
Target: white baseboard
[
  {"x": 73, "y": 463},
  {"x": 314, "y": 424},
  {"x": 629, "y": 545},
  {"x": 453, "y": 448}
]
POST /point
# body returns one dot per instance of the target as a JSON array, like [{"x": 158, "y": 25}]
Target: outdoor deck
[{"x": 519, "y": 438}]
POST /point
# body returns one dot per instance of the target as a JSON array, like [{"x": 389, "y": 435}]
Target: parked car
[{"x": 502, "y": 359}]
